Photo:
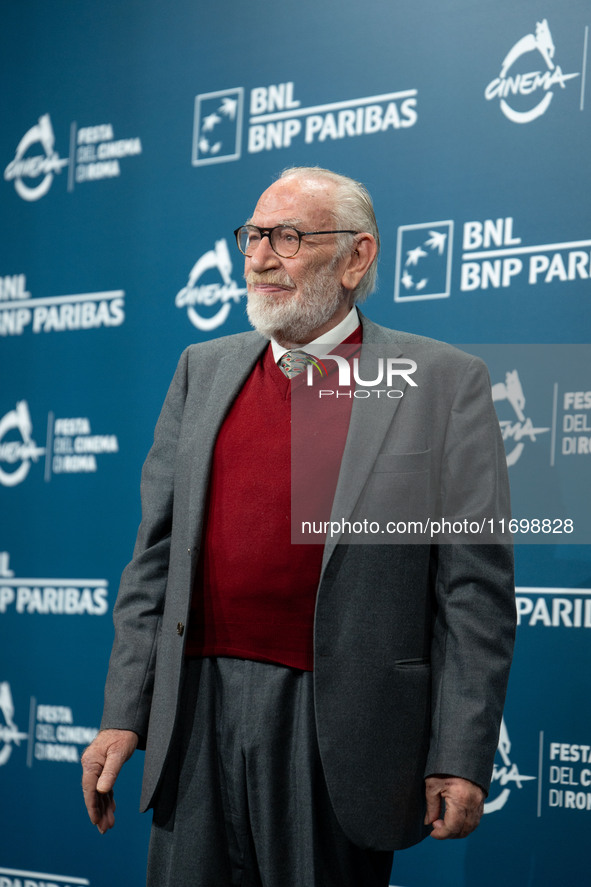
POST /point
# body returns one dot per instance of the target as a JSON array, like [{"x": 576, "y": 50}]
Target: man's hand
[
  {"x": 101, "y": 763},
  {"x": 464, "y": 805}
]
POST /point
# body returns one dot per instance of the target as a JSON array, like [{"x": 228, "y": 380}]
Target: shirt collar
[{"x": 334, "y": 336}]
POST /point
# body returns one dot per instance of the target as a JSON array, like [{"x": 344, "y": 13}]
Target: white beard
[{"x": 290, "y": 319}]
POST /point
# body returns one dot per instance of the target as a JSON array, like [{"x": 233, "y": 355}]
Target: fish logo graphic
[
  {"x": 217, "y": 132},
  {"x": 423, "y": 261}
]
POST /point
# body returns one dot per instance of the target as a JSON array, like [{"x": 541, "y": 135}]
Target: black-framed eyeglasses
[{"x": 284, "y": 239}]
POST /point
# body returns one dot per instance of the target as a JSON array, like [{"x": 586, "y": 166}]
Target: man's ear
[{"x": 359, "y": 261}]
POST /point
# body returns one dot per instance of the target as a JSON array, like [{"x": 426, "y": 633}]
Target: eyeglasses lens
[{"x": 285, "y": 241}]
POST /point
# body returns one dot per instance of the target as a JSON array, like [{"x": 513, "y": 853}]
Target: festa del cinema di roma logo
[
  {"x": 511, "y": 85},
  {"x": 71, "y": 448},
  {"x": 95, "y": 154}
]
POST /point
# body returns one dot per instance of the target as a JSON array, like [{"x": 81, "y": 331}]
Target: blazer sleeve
[
  {"x": 475, "y": 618},
  {"x": 140, "y": 602}
]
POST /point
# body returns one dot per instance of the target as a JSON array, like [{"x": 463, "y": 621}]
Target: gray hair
[{"x": 353, "y": 209}]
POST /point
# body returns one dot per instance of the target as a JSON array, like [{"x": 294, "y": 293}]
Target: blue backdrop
[{"x": 135, "y": 137}]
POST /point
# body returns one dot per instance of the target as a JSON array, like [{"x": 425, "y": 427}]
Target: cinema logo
[
  {"x": 30, "y": 165},
  {"x": 519, "y": 91},
  {"x": 95, "y": 154},
  {"x": 506, "y": 775},
  {"x": 71, "y": 446},
  {"x": 56, "y": 314},
  {"x": 518, "y": 430},
  {"x": 351, "y": 382},
  {"x": 277, "y": 120},
  {"x": 211, "y": 290},
  {"x": 17, "y": 447},
  {"x": 10, "y": 734}
]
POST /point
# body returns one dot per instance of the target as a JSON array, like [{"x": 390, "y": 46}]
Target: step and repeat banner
[{"x": 135, "y": 137}]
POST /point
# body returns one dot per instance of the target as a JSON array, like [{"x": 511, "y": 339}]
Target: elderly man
[{"x": 306, "y": 708}]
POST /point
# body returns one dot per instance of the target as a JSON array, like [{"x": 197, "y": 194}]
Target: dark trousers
[{"x": 244, "y": 802}]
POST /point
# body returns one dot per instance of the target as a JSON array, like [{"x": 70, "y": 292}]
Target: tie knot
[{"x": 294, "y": 362}]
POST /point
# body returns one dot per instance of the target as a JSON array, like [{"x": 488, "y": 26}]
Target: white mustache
[{"x": 273, "y": 279}]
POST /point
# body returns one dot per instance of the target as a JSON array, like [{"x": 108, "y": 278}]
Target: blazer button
[{"x": 180, "y": 628}]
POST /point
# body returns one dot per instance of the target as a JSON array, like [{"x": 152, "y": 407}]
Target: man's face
[{"x": 294, "y": 300}]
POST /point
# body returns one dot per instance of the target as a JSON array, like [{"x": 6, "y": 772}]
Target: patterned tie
[{"x": 294, "y": 362}]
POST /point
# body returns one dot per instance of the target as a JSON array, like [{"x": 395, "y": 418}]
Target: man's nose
[{"x": 264, "y": 256}]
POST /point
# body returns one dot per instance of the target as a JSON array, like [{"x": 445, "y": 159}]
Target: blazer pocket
[
  {"x": 421, "y": 662},
  {"x": 398, "y": 490},
  {"x": 403, "y": 462}
]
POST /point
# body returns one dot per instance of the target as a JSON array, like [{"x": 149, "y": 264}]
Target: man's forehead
[{"x": 295, "y": 200}]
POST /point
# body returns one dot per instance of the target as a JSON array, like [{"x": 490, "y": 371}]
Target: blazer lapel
[
  {"x": 225, "y": 373},
  {"x": 371, "y": 418}
]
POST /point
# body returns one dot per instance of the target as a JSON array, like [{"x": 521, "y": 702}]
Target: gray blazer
[{"x": 412, "y": 642}]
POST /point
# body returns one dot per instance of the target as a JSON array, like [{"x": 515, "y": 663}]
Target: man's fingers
[
  {"x": 464, "y": 806},
  {"x": 106, "y": 820},
  {"x": 101, "y": 764},
  {"x": 113, "y": 763},
  {"x": 433, "y": 807},
  {"x": 458, "y": 822},
  {"x": 101, "y": 809},
  {"x": 91, "y": 771}
]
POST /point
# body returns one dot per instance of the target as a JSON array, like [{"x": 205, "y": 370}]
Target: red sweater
[{"x": 255, "y": 591}]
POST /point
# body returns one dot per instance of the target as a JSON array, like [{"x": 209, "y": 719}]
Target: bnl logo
[
  {"x": 217, "y": 132},
  {"x": 423, "y": 261}
]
